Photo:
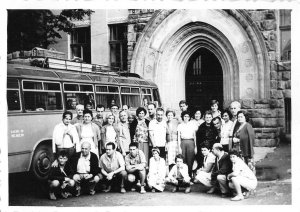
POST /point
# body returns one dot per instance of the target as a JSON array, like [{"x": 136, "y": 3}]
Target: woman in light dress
[
  {"x": 88, "y": 132},
  {"x": 110, "y": 133},
  {"x": 172, "y": 141},
  {"x": 226, "y": 130},
  {"x": 197, "y": 119},
  {"x": 157, "y": 172},
  {"x": 204, "y": 173}
]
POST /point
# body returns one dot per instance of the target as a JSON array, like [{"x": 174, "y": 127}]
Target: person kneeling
[
  {"x": 60, "y": 177},
  {"x": 135, "y": 163},
  {"x": 179, "y": 175},
  {"x": 86, "y": 165},
  {"x": 112, "y": 167},
  {"x": 241, "y": 177}
]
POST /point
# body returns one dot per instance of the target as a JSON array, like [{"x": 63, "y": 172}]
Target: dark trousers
[
  {"x": 118, "y": 179},
  {"x": 188, "y": 152}
]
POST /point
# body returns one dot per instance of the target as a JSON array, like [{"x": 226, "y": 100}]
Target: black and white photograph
[{"x": 118, "y": 107}]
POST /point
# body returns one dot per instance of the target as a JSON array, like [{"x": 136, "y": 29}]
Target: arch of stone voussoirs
[
  {"x": 194, "y": 36},
  {"x": 183, "y": 42}
]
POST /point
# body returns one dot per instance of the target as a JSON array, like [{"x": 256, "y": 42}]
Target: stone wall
[
  {"x": 267, "y": 115},
  {"x": 137, "y": 20}
]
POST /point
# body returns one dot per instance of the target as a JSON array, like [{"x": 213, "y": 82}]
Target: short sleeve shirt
[
  {"x": 241, "y": 167},
  {"x": 113, "y": 163},
  {"x": 187, "y": 130},
  {"x": 138, "y": 159},
  {"x": 159, "y": 130}
]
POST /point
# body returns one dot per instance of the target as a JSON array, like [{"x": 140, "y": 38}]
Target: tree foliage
[{"x": 27, "y": 29}]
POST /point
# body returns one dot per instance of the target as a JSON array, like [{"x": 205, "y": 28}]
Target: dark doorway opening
[{"x": 204, "y": 80}]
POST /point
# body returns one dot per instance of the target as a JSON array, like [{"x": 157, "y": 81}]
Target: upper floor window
[
  {"x": 118, "y": 45},
  {"x": 285, "y": 34},
  {"x": 81, "y": 43}
]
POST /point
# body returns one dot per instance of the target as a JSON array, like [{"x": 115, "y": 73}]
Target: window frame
[{"x": 15, "y": 89}]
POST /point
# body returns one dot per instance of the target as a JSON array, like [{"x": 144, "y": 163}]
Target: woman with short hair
[
  {"x": 226, "y": 130},
  {"x": 139, "y": 131},
  {"x": 110, "y": 133},
  {"x": 88, "y": 132}
]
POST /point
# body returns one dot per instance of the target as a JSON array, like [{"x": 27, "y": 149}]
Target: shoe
[
  {"x": 224, "y": 195},
  {"x": 143, "y": 191},
  {"x": 246, "y": 194},
  {"x": 187, "y": 190},
  {"x": 64, "y": 195},
  {"x": 92, "y": 192},
  {"x": 133, "y": 189},
  {"x": 237, "y": 198},
  {"x": 175, "y": 189},
  {"x": 52, "y": 196},
  {"x": 69, "y": 194},
  {"x": 107, "y": 189},
  {"x": 211, "y": 191},
  {"x": 77, "y": 192},
  {"x": 123, "y": 191},
  {"x": 138, "y": 184},
  {"x": 153, "y": 190}
]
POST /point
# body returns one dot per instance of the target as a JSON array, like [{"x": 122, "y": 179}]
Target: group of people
[{"x": 115, "y": 150}]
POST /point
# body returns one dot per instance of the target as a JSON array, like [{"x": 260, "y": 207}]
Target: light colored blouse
[
  {"x": 226, "y": 131},
  {"x": 187, "y": 130}
]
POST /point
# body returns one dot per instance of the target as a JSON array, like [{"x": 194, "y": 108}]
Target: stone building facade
[
  {"x": 255, "y": 71},
  {"x": 199, "y": 55}
]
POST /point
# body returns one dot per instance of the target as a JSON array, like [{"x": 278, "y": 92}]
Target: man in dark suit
[
  {"x": 222, "y": 168},
  {"x": 85, "y": 163}
]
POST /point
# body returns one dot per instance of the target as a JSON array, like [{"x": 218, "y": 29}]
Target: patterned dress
[
  {"x": 141, "y": 136},
  {"x": 172, "y": 141}
]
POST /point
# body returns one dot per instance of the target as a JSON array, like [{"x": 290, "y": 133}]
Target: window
[
  {"x": 13, "y": 95},
  {"x": 41, "y": 96},
  {"x": 78, "y": 94},
  {"x": 156, "y": 97},
  {"x": 106, "y": 94},
  {"x": 131, "y": 96},
  {"x": 81, "y": 43},
  {"x": 118, "y": 45},
  {"x": 146, "y": 94},
  {"x": 285, "y": 34}
]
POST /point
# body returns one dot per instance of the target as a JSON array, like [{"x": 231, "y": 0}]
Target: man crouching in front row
[
  {"x": 86, "y": 165},
  {"x": 112, "y": 166}
]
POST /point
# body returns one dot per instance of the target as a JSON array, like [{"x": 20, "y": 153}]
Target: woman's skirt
[
  {"x": 204, "y": 178},
  {"x": 144, "y": 146},
  {"x": 172, "y": 152}
]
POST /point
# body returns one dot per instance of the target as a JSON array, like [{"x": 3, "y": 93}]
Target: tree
[{"x": 27, "y": 29}]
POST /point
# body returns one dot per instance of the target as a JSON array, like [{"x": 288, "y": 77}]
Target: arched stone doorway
[
  {"x": 171, "y": 37},
  {"x": 204, "y": 80}
]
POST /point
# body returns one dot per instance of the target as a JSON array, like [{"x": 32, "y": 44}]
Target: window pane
[
  {"x": 51, "y": 86},
  {"x": 12, "y": 83},
  {"x": 101, "y": 89},
  {"x": 144, "y": 91},
  {"x": 156, "y": 96},
  {"x": 132, "y": 100},
  {"x": 105, "y": 99},
  {"x": 32, "y": 85},
  {"x": 125, "y": 90},
  {"x": 135, "y": 90},
  {"x": 72, "y": 99},
  {"x": 148, "y": 91},
  {"x": 42, "y": 101},
  {"x": 71, "y": 87},
  {"x": 148, "y": 97},
  {"x": 113, "y": 89},
  {"x": 13, "y": 100},
  {"x": 86, "y": 88}
]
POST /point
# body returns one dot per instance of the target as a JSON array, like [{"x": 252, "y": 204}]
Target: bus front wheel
[{"x": 41, "y": 162}]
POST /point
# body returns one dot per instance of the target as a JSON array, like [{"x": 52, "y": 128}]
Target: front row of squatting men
[{"x": 173, "y": 143}]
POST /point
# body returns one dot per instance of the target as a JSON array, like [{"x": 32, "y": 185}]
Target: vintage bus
[{"x": 37, "y": 97}]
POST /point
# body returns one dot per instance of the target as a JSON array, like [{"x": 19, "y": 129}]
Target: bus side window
[
  {"x": 156, "y": 97},
  {"x": 106, "y": 94},
  {"x": 13, "y": 95},
  {"x": 131, "y": 96},
  {"x": 78, "y": 94},
  {"x": 146, "y": 94},
  {"x": 41, "y": 96}
]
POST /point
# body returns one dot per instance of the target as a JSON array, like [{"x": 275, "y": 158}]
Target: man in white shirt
[
  {"x": 158, "y": 132},
  {"x": 151, "y": 111},
  {"x": 235, "y": 107},
  {"x": 124, "y": 136}
]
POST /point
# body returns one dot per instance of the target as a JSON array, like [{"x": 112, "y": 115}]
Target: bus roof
[{"x": 23, "y": 70}]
